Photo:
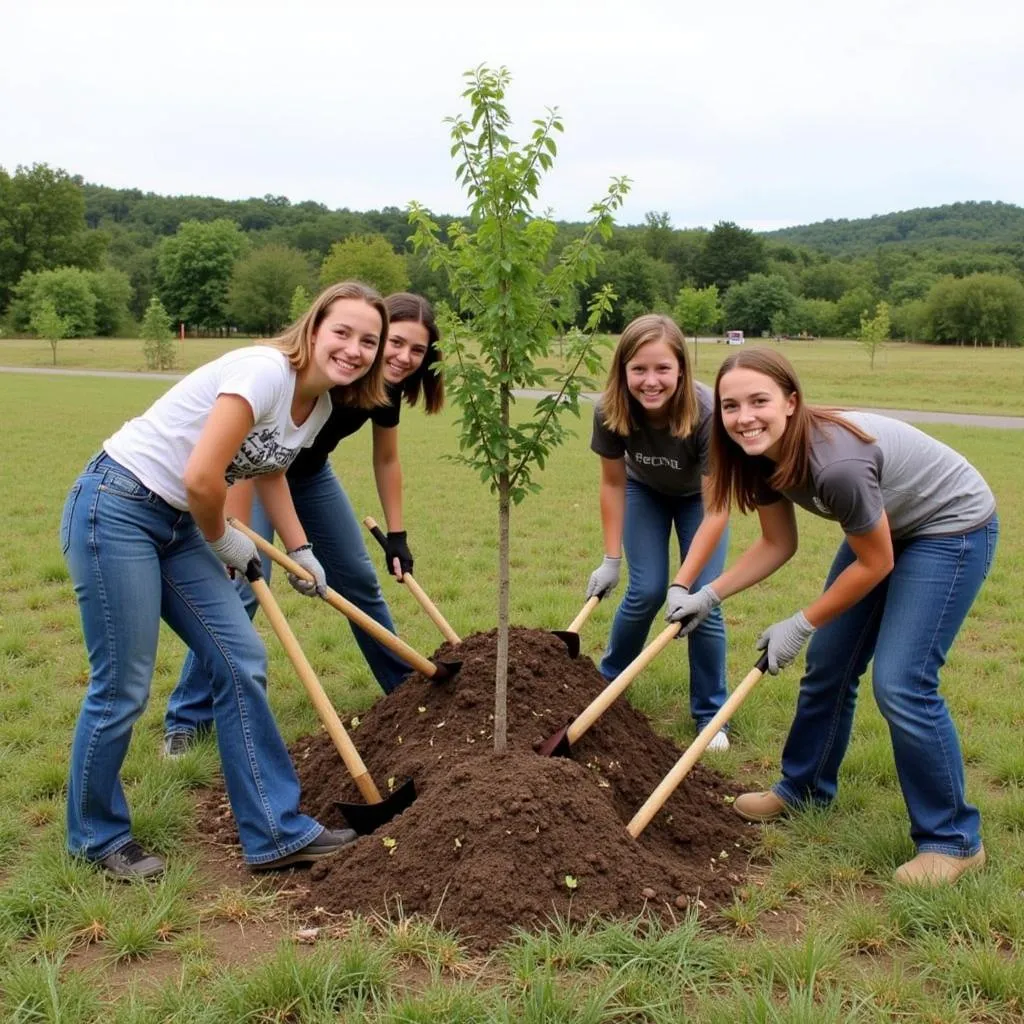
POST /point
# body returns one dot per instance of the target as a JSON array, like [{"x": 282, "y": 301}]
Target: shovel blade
[
  {"x": 556, "y": 745},
  {"x": 570, "y": 639},
  {"x": 367, "y": 818},
  {"x": 445, "y": 670}
]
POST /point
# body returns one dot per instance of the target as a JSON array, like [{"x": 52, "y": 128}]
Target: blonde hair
[
  {"x": 619, "y": 409},
  {"x": 297, "y": 342},
  {"x": 735, "y": 474}
]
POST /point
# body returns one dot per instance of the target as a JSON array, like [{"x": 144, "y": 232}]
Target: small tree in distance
[
  {"x": 299, "y": 303},
  {"x": 47, "y": 323},
  {"x": 697, "y": 310},
  {"x": 874, "y": 331},
  {"x": 158, "y": 337},
  {"x": 513, "y": 306}
]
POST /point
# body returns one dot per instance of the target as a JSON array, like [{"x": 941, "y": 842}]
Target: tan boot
[
  {"x": 766, "y": 806},
  {"x": 934, "y": 869}
]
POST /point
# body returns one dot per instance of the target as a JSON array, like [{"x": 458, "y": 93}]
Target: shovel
[
  {"x": 437, "y": 672},
  {"x": 571, "y": 636},
  {"x": 415, "y": 589},
  {"x": 364, "y": 818},
  {"x": 559, "y": 744},
  {"x": 681, "y": 768}
]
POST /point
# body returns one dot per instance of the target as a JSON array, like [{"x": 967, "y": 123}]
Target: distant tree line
[{"x": 90, "y": 260}]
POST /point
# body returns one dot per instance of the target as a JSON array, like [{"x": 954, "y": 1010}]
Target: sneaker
[
  {"x": 329, "y": 841},
  {"x": 935, "y": 869},
  {"x": 178, "y": 743},
  {"x": 766, "y": 806},
  {"x": 132, "y": 862},
  {"x": 719, "y": 742}
]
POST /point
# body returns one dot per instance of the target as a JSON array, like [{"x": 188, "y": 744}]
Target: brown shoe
[
  {"x": 934, "y": 869},
  {"x": 766, "y": 806}
]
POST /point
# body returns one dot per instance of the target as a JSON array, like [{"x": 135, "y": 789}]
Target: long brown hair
[
  {"x": 404, "y": 307},
  {"x": 734, "y": 475},
  {"x": 618, "y": 408},
  {"x": 297, "y": 342}
]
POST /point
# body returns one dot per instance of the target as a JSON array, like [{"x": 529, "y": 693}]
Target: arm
[
  {"x": 387, "y": 471},
  {"x": 776, "y": 546},
  {"x": 613, "y": 504},
  {"x": 230, "y": 420},
  {"x": 276, "y": 498},
  {"x": 704, "y": 542}
]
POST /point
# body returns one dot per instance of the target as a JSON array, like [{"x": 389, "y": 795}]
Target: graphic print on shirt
[{"x": 261, "y": 453}]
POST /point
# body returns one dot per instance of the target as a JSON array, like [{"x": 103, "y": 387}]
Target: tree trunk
[
  {"x": 53, "y": 348},
  {"x": 501, "y": 666}
]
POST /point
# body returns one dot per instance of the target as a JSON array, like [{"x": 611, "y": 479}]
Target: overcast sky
[{"x": 767, "y": 114}]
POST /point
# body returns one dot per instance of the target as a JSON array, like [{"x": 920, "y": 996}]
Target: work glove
[
  {"x": 234, "y": 549},
  {"x": 785, "y": 640},
  {"x": 305, "y": 557},
  {"x": 605, "y": 578},
  {"x": 690, "y": 609},
  {"x": 397, "y": 548}
]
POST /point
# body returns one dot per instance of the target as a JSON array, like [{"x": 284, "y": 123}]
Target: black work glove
[{"x": 397, "y": 548}]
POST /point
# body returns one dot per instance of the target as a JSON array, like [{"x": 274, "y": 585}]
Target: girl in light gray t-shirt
[{"x": 920, "y": 531}]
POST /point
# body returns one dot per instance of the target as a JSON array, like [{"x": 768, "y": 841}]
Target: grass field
[
  {"x": 820, "y": 935},
  {"x": 943, "y": 378}
]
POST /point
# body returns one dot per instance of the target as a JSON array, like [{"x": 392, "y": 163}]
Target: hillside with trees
[{"x": 90, "y": 260}]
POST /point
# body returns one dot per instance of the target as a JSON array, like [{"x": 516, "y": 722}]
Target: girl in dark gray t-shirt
[
  {"x": 920, "y": 531},
  {"x": 651, "y": 430}
]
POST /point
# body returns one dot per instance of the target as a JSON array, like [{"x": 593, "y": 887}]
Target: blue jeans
[
  {"x": 907, "y": 623},
  {"x": 646, "y": 534},
  {"x": 133, "y": 560},
  {"x": 330, "y": 523}
]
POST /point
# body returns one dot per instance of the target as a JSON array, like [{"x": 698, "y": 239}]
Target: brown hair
[
  {"x": 619, "y": 409},
  {"x": 404, "y": 307},
  {"x": 734, "y": 474},
  {"x": 297, "y": 342}
]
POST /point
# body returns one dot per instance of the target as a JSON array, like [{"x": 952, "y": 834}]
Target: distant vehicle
[{"x": 734, "y": 338}]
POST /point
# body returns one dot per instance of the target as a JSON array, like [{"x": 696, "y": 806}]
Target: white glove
[
  {"x": 305, "y": 557},
  {"x": 234, "y": 549},
  {"x": 784, "y": 641},
  {"x": 605, "y": 578},
  {"x": 690, "y": 609}
]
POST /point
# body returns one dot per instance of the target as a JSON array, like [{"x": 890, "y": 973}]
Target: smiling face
[
  {"x": 652, "y": 376},
  {"x": 346, "y": 342},
  {"x": 755, "y": 411},
  {"x": 405, "y": 351}
]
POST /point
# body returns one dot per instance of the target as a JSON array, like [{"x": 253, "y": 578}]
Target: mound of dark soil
[{"x": 495, "y": 842}]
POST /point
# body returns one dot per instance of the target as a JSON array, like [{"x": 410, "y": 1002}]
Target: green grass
[{"x": 819, "y": 934}]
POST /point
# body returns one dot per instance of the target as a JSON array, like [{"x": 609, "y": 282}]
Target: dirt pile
[{"x": 498, "y": 842}]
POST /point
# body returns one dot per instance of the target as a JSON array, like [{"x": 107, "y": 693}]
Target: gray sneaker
[
  {"x": 178, "y": 743},
  {"x": 131, "y": 863},
  {"x": 330, "y": 841}
]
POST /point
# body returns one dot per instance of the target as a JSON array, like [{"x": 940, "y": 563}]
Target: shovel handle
[
  {"x": 604, "y": 700},
  {"x": 324, "y": 708},
  {"x": 577, "y": 624},
  {"x": 691, "y": 755},
  {"x": 415, "y": 589},
  {"x": 347, "y": 608}
]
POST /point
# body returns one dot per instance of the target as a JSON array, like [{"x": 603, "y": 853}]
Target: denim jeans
[
  {"x": 330, "y": 523},
  {"x": 646, "y": 535},
  {"x": 133, "y": 560},
  {"x": 907, "y": 623}
]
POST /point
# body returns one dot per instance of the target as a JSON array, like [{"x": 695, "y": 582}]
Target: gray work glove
[
  {"x": 305, "y": 557},
  {"x": 784, "y": 641},
  {"x": 690, "y": 609},
  {"x": 605, "y": 578},
  {"x": 234, "y": 549}
]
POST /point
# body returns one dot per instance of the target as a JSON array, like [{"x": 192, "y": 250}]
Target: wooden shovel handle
[
  {"x": 604, "y": 700},
  {"x": 691, "y": 755},
  {"x": 347, "y": 608},
  {"x": 324, "y": 708},
  {"x": 577, "y": 624},
  {"x": 415, "y": 589}
]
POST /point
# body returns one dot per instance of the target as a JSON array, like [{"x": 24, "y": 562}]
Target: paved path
[{"x": 909, "y": 415}]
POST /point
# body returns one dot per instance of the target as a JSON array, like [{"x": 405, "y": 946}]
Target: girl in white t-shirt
[{"x": 145, "y": 536}]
